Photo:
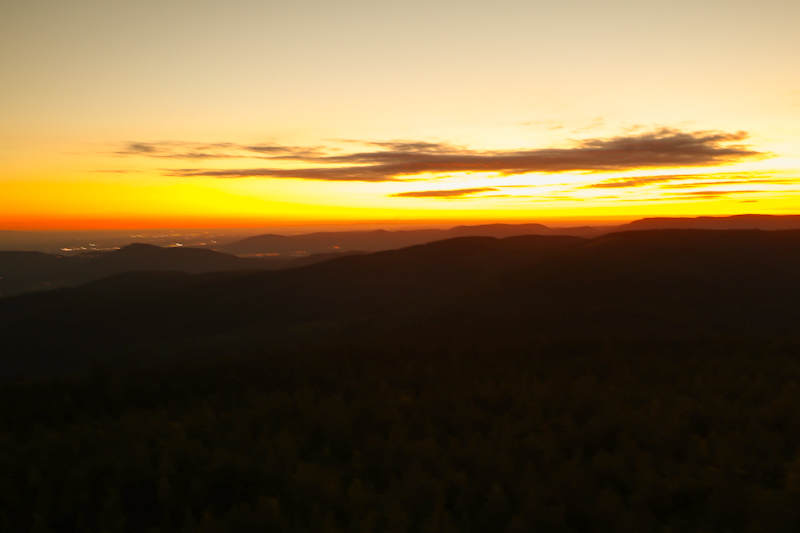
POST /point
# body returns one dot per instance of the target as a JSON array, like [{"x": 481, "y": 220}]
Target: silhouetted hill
[
  {"x": 31, "y": 271},
  {"x": 502, "y": 231},
  {"x": 619, "y": 285},
  {"x": 380, "y": 240},
  {"x": 22, "y": 272},
  {"x": 360, "y": 289},
  {"x": 688, "y": 281},
  {"x": 762, "y": 222},
  {"x": 144, "y": 257},
  {"x": 313, "y": 259},
  {"x": 22, "y": 263}
]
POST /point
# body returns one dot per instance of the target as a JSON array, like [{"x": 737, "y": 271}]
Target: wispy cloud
[
  {"x": 189, "y": 150},
  {"x": 399, "y": 160},
  {"x": 692, "y": 180},
  {"x": 453, "y": 193},
  {"x": 754, "y": 181},
  {"x": 710, "y": 195},
  {"x": 638, "y": 181}
]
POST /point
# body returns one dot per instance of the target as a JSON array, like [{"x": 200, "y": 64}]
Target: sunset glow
[{"x": 204, "y": 114}]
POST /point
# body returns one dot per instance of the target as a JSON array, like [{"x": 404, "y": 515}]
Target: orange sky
[{"x": 209, "y": 114}]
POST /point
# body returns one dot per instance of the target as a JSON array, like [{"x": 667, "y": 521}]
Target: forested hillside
[{"x": 691, "y": 435}]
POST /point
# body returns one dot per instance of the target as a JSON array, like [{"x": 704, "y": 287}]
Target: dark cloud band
[{"x": 392, "y": 161}]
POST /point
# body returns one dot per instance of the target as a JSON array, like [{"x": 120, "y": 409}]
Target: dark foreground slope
[
  {"x": 692, "y": 436},
  {"x": 634, "y": 383}
]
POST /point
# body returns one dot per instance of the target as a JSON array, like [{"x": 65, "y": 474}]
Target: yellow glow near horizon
[
  {"x": 246, "y": 202},
  {"x": 81, "y": 81},
  {"x": 92, "y": 186}
]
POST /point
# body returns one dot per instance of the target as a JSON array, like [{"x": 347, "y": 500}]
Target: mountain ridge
[
  {"x": 654, "y": 282},
  {"x": 380, "y": 240}
]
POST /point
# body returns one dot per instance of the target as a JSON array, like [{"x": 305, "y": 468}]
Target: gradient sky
[{"x": 209, "y": 113}]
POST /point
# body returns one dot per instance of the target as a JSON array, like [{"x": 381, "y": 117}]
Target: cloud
[
  {"x": 708, "y": 195},
  {"x": 759, "y": 181},
  {"x": 411, "y": 146},
  {"x": 723, "y": 178},
  {"x": 703, "y": 193},
  {"x": 326, "y": 174},
  {"x": 638, "y": 181},
  {"x": 225, "y": 150},
  {"x": 142, "y": 148},
  {"x": 454, "y": 193},
  {"x": 398, "y": 160}
]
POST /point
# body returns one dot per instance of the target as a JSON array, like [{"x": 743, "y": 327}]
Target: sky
[{"x": 178, "y": 113}]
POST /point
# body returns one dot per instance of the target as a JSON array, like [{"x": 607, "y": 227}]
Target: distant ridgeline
[
  {"x": 763, "y": 222},
  {"x": 22, "y": 272},
  {"x": 677, "y": 282},
  {"x": 634, "y": 381},
  {"x": 379, "y": 240}
]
